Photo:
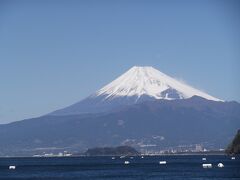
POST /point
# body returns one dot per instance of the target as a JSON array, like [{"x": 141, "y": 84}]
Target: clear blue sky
[{"x": 54, "y": 53}]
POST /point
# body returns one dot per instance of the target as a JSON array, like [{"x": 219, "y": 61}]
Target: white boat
[
  {"x": 113, "y": 157},
  {"x": 204, "y": 159},
  {"x": 220, "y": 165},
  {"x": 126, "y": 162},
  {"x": 12, "y": 167},
  {"x": 162, "y": 162},
  {"x": 233, "y": 158},
  {"x": 207, "y": 165},
  {"x": 142, "y": 157}
]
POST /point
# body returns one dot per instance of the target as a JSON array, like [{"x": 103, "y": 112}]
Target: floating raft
[
  {"x": 207, "y": 165},
  {"x": 162, "y": 162},
  {"x": 12, "y": 167}
]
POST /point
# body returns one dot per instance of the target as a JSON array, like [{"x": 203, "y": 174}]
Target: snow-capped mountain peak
[
  {"x": 137, "y": 85},
  {"x": 148, "y": 81}
]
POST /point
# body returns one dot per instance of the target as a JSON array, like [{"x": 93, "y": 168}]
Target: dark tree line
[{"x": 234, "y": 146}]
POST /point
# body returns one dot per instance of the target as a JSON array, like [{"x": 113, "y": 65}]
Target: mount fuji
[
  {"x": 137, "y": 85},
  {"x": 143, "y": 108}
]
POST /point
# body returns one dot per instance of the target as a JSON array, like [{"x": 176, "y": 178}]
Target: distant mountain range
[{"x": 143, "y": 108}]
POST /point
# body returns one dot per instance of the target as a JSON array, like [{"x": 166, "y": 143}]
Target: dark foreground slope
[
  {"x": 151, "y": 125},
  {"x": 234, "y": 146}
]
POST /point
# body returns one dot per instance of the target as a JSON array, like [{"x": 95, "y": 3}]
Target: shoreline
[{"x": 125, "y": 156}]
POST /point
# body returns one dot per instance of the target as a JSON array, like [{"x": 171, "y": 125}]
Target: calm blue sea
[{"x": 177, "y": 167}]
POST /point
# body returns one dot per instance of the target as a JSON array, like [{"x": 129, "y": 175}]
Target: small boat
[
  {"x": 131, "y": 157},
  {"x": 113, "y": 157},
  {"x": 233, "y": 158},
  {"x": 204, "y": 159},
  {"x": 207, "y": 165},
  {"x": 162, "y": 162},
  {"x": 220, "y": 165},
  {"x": 12, "y": 167},
  {"x": 142, "y": 157},
  {"x": 126, "y": 162},
  {"x": 122, "y": 157}
]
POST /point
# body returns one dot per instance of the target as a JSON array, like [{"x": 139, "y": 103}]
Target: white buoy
[
  {"x": 162, "y": 162},
  {"x": 142, "y": 157},
  {"x": 113, "y": 157},
  {"x": 126, "y": 162},
  {"x": 233, "y": 158},
  {"x": 204, "y": 159},
  {"x": 220, "y": 165},
  {"x": 207, "y": 165},
  {"x": 12, "y": 167}
]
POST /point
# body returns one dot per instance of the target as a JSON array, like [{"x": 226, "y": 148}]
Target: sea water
[{"x": 66, "y": 168}]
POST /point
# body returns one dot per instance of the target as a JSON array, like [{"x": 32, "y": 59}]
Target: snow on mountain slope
[
  {"x": 148, "y": 81},
  {"x": 136, "y": 85}
]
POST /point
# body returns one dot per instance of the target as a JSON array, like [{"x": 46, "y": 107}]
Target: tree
[{"x": 234, "y": 146}]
